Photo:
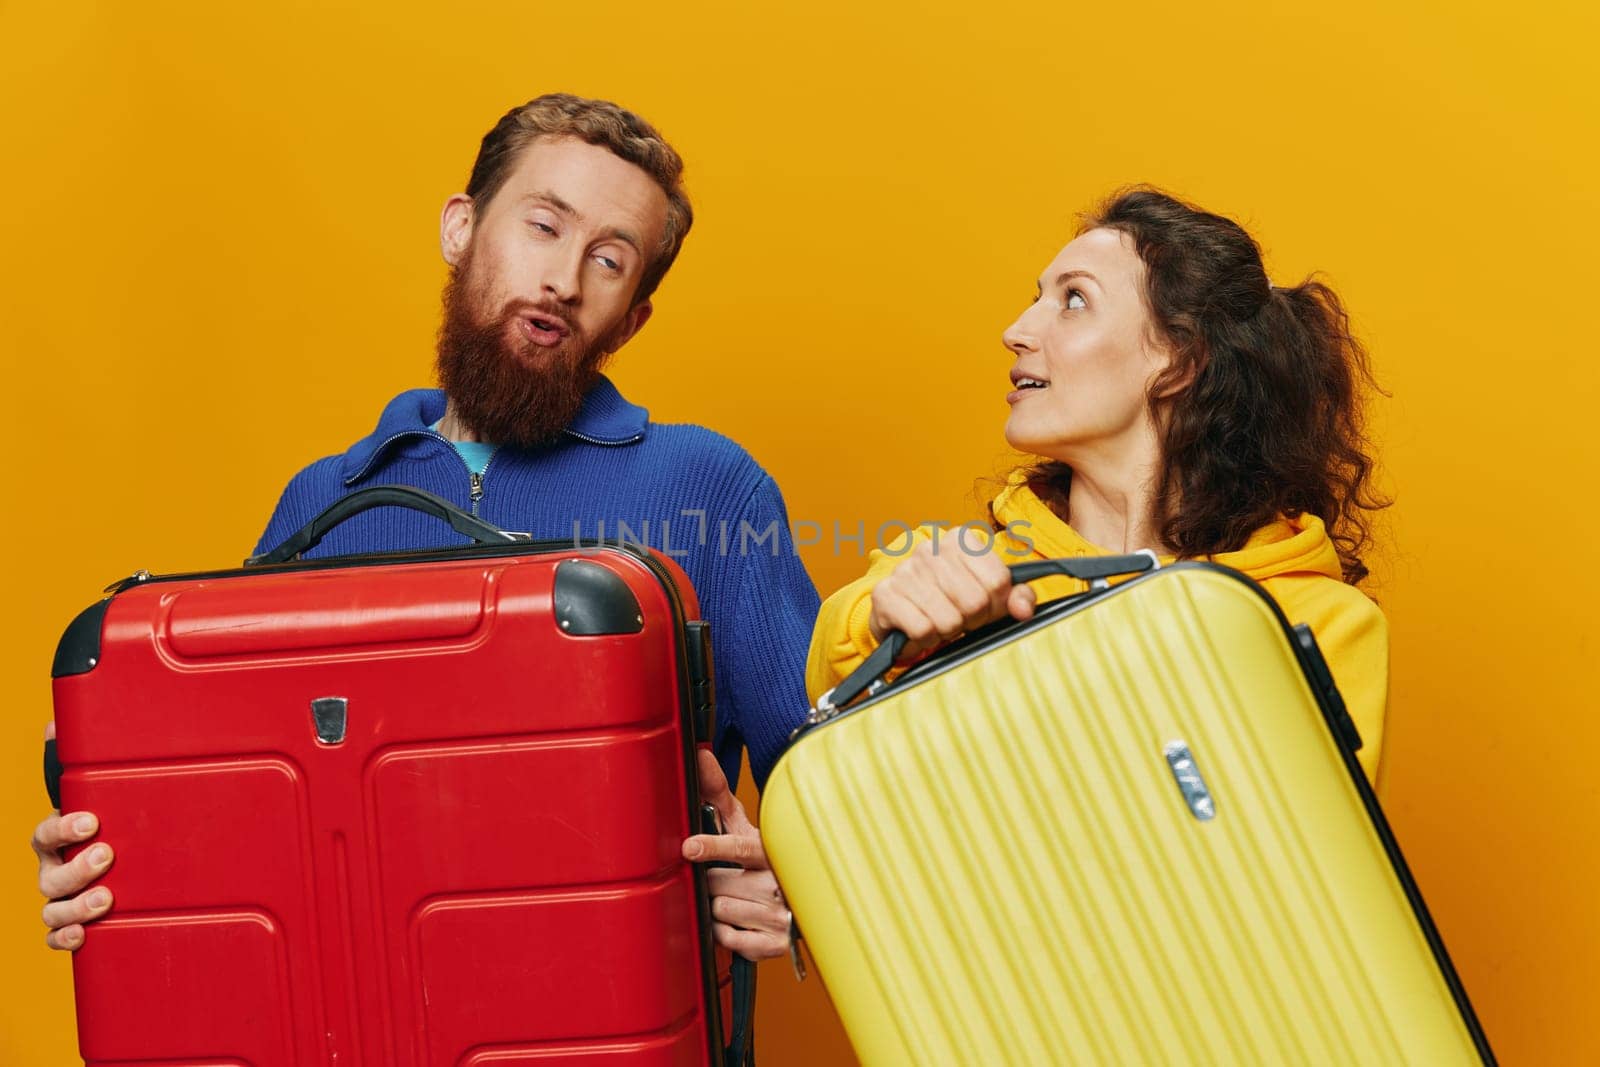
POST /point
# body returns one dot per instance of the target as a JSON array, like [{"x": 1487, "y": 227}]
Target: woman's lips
[{"x": 1017, "y": 394}]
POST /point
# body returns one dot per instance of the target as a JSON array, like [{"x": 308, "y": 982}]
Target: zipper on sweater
[
  {"x": 602, "y": 441},
  {"x": 477, "y": 480}
]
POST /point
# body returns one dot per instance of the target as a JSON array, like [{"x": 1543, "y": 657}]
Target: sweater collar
[{"x": 604, "y": 418}]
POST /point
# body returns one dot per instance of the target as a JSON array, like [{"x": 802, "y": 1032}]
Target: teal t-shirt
[{"x": 475, "y": 454}]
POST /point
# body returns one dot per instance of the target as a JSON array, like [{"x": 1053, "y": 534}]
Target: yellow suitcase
[{"x": 1130, "y": 831}]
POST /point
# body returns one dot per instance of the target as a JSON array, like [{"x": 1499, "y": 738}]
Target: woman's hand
[
  {"x": 941, "y": 590},
  {"x": 749, "y": 914}
]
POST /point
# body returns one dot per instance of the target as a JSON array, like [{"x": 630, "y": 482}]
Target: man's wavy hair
[
  {"x": 1261, "y": 412},
  {"x": 597, "y": 122}
]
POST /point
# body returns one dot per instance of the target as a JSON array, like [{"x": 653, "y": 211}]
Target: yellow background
[{"x": 220, "y": 259}]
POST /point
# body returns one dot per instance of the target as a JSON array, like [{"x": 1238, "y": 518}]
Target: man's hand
[
  {"x": 749, "y": 914},
  {"x": 65, "y": 883}
]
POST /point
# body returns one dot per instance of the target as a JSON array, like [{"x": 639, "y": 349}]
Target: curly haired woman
[{"x": 1173, "y": 399}]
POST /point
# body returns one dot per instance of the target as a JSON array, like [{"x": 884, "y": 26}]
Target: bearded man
[{"x": 572, "y": 215}]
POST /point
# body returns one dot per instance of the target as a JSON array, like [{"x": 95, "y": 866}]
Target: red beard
[{"x": 506, "y": 388}]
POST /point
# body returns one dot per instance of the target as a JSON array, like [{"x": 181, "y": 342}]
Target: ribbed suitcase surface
[
  {"x": 392, "y": 814},
  {"x": 993, "y": 861}
]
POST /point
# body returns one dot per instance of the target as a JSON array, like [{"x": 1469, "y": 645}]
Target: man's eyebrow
[
  {"x": 554, "y": 201},
  {"x": 627, "y": 237}
]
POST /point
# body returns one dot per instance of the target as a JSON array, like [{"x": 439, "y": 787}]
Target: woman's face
[{"x": 1086, "y": 353}]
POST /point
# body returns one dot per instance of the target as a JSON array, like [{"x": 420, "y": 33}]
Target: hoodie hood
[{"x": 1293, "y": 544}]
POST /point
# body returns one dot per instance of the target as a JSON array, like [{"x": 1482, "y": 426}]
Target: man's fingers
[
  {"x": 749, "y": 915},
  {"x": 47, "y": 836},
  {"x": 753, "y": 945},
  {"x": 50, "y": 730},
  {"x": 58, "y": 880},
  {"x": 65, "y": 939},
  {"x": 714, "y": 791},
  {"x": 57, "y": 831},
  {"x": 758, "y": 886},
  {"x": 83, "y": 908},
  {"x": 713, "y": 783},
  {"x": 741, "y": 848}
]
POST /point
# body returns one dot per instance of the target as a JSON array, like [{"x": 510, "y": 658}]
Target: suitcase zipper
[{"x": 135, "y": 578}]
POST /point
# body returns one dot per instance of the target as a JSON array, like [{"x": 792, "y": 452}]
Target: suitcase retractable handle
[
  {"x": 868, "y": 678},
  {"x": 403, "y": 496}
]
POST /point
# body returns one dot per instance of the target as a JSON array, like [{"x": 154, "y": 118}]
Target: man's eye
[
  {"x": 608, "y": 263},
  {"x": 542, "y": 227},
  {"x": 1075, "y": 300}
]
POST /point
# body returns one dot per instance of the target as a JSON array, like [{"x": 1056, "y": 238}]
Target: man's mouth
[{"x": 542, "y": 329}]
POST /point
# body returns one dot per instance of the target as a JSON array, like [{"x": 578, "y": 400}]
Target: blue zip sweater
[{"x": 614, "y": 466}]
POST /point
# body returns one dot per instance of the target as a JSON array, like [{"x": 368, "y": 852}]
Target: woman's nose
[{"x": 1018, "y": 338}]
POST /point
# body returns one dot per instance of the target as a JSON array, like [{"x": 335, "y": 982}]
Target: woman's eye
[
  {"x": 1075, "y": 300},
  {"x": 543, "y": 228}
]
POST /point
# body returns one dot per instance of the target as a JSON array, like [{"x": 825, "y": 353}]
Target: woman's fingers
[
  {"x": 940, "y": 592},
  {"x": 893, "y": 610},
  {"x": 973, "y": 589},
  {"x": 1021, "y": 601}
]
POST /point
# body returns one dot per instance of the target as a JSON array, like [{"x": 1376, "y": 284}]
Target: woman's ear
[{"x": 1175, "y": 370}]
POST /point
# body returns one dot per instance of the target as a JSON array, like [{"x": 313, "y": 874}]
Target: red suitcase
[{"x": 396, "y": 810}]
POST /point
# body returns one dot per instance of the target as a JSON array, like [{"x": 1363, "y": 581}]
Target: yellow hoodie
[{"x": 1293, "y": 559}]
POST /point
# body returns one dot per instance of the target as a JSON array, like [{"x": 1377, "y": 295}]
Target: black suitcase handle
[
  {"x": 1095, "y": 570},
  {"x": 52, "y": 773},
  {"x": 401, "y": 496},
  {"x": 741, "y": 1048}
]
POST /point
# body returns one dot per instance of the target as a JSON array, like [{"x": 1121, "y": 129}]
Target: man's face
[{"x": 541, "y": 286}]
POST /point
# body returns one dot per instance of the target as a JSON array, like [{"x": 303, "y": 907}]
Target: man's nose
[{"x": 563, "y": 279}]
